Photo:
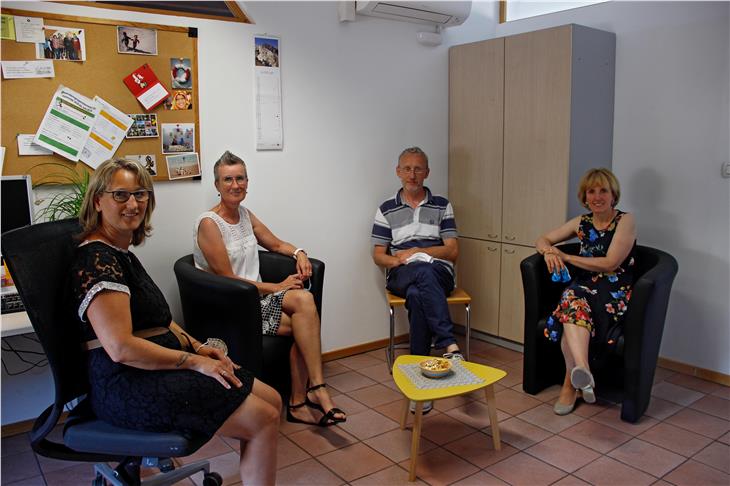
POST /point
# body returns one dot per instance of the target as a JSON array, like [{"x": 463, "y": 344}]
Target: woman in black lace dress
[
  {"x": 145, "y": 372},
  {"x": 592, "y": 306}
]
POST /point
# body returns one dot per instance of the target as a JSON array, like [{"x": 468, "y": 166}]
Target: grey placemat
[{"x": 459, "y": 376}]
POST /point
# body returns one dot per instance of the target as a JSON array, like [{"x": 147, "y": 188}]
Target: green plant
[{"x": 65, "y": 203}]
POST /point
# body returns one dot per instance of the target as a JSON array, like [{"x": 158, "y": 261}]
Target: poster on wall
[{"x": 267, "y": 74}]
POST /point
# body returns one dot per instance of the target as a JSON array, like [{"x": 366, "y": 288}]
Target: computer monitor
[{"x": 16, "y": 193}]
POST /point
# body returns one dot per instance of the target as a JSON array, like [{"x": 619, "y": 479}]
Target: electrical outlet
[{"x": 726, "y": 170}]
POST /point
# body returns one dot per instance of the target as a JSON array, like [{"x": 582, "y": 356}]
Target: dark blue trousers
[{"x": 425, "y": 287}]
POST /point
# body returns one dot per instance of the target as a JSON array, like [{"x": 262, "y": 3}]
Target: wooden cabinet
[{"x": 528, "y": 115}]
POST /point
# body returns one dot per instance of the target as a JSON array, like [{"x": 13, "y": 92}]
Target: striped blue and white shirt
[{"x": 399, "y": 226}]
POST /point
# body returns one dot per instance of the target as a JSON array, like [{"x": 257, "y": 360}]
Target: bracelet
[
  {"x": 296, "y": 252},
  {"x": 198, "y": 349}
]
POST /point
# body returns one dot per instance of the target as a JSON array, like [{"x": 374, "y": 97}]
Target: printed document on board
[
  {"x": 106, "y": 135},
  {"x": 67, "y": 123}
]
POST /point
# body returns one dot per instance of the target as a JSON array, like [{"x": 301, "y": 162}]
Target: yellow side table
[{"x": 418, "y": 395}]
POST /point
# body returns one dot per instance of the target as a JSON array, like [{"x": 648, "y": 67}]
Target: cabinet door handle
[
  {"x": 510, "y": 252},
  {"x": 510, "y": 238},
  {"x": 492, "y": 235}
]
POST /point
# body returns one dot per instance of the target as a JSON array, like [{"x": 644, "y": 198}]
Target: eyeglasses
[
  {"x": 414, "y": 170},
  {"x": 228, "y": 180},
  {"x": 123, "y": 196}
]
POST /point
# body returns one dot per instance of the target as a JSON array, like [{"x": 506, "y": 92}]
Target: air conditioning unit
[{"x": 443, "y": 14}]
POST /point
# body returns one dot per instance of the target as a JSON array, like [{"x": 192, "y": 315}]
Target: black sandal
[
  {"x": 291, "y": 418},
  {"x": 329, "y": 417}
]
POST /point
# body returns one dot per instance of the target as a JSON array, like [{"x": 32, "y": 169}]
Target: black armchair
[
  {"x": 627, "y": 375},
  {"x": 39, "y": 259},
  {"x": 229, "y": 309}
]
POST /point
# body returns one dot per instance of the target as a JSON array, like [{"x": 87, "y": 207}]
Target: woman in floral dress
[{"x": 592, "y": 306}]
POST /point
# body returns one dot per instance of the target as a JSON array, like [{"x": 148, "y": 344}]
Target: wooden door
[
  {"x": 478, "y": 274},
  {"x": 536, "y": 133},
  {"x": 476, "y": 81},
  {"x": 511, "y": 296}
]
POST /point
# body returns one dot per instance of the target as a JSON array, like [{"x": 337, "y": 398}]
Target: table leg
[
  {"x": 415, "y": 440},
  {"x": 492, "y": 406},
  {"x": 404, "y": 414}
]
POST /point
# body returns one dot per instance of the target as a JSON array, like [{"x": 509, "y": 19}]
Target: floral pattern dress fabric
[{"x": 596, "y": 301}]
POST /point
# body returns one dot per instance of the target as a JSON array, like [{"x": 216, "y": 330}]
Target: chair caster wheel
[{"x": 212, "y": 479}]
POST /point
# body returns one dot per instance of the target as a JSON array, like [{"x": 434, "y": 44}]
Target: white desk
[{"x": 15, "y": 323}]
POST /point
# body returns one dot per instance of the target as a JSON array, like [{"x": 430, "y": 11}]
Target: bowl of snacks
[{"x": 435, "y": 367}]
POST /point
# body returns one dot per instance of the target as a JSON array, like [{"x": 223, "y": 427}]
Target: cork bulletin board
[{"x": 24, "y": 101}]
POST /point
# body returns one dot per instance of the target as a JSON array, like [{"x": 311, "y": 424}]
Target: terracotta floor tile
[
  {"x": 396, "y": 444},
  {"x": 307, "y": 473},
  {"x": 544, "y": 416},
  {"x": 34, "y": 481},
  {"x": 570, "y": 481},
  {"x": 288, "y": 453},
  {"x": 442, "y": 429},
  {"x": 723, "y": 392},
  {"x": 226, "y": 465},
  {"x": 378, "y": 372},
  {"x": 48, "y": 465},
  {"x": 514, "y": 403},
  {"x": 394, "y": 409},
  {"x": 612, "y": 417},
  {"x": 675, "y": 393},
  {"x": 478, "y": 449},
  {"x": 716, "y": 455},
  {"x": 479, "y": 346},
  {"x": 725, "y": 439},
  {"x": 662, "y": 374},
  {"x": 349, "y": 405},
  {"x": 452, "y": 402},
  {"x": 359, "y": 361},
  {"x": 19, "y": 466},
  {"x": 502, "y": 355},
  {"x": 513, "y": 378},
  {"x": 368, "y": 424},
  {"x": 214, "y": 447},
  {"x": 693, "y": 383},
  {"x": 523, "y": 469},
  {"x": 563, "y": 453},
  {"x": 391, "y": 384},
  {"x": 719, "y": 407},
  {"x": 484, "y": 359},
  {"x": 647, "y": 457},
  {"x": 549, "y": 394},
  {"x": 71, "y": 476},
  {"x": 520, "y": 434},
  {"x": 375, "y": 395},
  {"x": 700, "y": 423},
  {"x": 474, "y": 414},
  {"x": 675, "y": 439},
  {"x": 320, "y": 440},
  {"x": 378, "y": 354},
  {"x": 440, "y": 467},
  {"x": 598, "y": 437},
  {"x": 661, "y": 409},
  {"x": 355, "y": 461},
  {"x": 332, "y": 368},
  {"x": 15, "y": 444},
  {"x": 693, "y": 473},
  {"x": 392, "y": 476},
  {"x": 481, "y": 478},
  {"x": 586, "y": 410},
  {"x": 349, "y": 381},
  {"x": 607, "y": 471}
]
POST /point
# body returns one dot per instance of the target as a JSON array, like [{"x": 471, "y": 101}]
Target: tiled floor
[{"x": 684, "y": 439}]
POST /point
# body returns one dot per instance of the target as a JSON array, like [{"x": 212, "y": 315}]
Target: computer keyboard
[{"x": 11, "y": 303}]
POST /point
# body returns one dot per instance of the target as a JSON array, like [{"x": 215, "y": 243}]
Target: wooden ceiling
[{"x": 229, "y": 11}]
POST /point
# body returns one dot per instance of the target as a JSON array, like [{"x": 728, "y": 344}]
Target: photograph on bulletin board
[
  {"x": 62, "y": 44},
  {"x": 135, "y": 40}
]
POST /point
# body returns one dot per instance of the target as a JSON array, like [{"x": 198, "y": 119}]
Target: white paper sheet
[
  {"x": 26, "y": 146},
  {"x": 29, "y": 29},
  {"x": 267, "y": 71},
  {"x": 109, "y": 129},
  {"x": 153, "y": 96},
  {"x": 67, "y": 123},
  {"x": 28, "y": 69}
]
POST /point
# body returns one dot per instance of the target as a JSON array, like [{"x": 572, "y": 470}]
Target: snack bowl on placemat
[{"x": 435, "y": 367}]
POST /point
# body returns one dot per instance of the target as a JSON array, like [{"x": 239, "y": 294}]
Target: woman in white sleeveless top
[{"x": 225, "y": 243}]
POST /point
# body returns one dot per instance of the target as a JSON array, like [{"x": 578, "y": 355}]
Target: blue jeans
[{"x": 425, "y": 287}]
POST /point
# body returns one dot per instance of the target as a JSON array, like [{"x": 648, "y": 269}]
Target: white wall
[
  {"x": 671, "y": 135},
  {"x": 354, "y": 95}
]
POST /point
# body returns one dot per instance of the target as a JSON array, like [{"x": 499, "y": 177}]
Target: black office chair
[
  {"x": 229, "y": 309},
  {"x": 627, "y": 374},
  {"x": 39, "y": 259}
]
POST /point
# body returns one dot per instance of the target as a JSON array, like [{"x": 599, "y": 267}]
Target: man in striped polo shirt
[{"x": 415, "y": 240}]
